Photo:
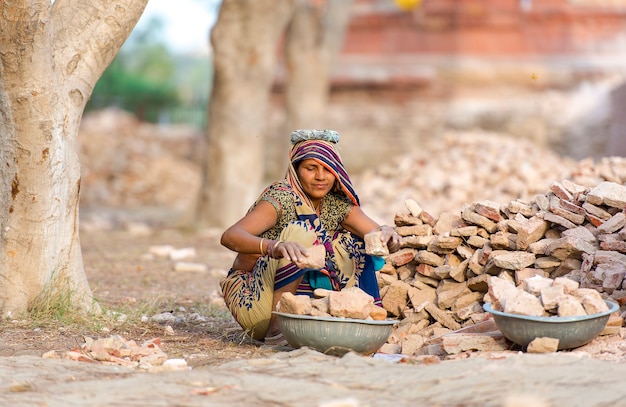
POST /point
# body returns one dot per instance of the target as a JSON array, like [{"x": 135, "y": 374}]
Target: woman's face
[{"x": 315, "y": 179}]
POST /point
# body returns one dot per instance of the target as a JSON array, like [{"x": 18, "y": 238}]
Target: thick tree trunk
[
  {"x": 244, "y": 41},
  {"x": 50, "y": 60}
]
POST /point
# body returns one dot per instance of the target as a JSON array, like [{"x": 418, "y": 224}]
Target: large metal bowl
[
  {"x": 334, "y": 336},
  {"x": 571, "y": 332}
]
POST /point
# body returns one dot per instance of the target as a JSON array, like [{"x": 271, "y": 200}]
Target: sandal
[{"x": 276, "y": 340}]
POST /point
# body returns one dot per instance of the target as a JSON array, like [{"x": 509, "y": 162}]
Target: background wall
[{"x": 549, "y": 71}]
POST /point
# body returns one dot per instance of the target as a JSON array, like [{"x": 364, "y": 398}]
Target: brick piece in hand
[
  {"x": 315, "y": 258},
  {"x": 374, "y": 245}
]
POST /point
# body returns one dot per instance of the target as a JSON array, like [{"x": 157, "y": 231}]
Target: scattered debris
[{"x": 115, "y": 350}]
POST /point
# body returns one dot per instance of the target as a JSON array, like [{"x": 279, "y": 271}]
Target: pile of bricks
[
  {"x": 437, "y": 282},
  {"x": 461, "y": 167},
  {"x": 131, "y": 164},
  {"x": 466, "y": 167}
]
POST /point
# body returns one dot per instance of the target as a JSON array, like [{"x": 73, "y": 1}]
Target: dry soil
[{"x": 227, "y": 369}]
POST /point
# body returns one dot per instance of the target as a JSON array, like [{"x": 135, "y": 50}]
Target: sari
[{"x": 249, "y": 294}]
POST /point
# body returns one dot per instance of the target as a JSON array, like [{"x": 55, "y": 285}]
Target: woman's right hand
[{"x": 292, "y": 251}]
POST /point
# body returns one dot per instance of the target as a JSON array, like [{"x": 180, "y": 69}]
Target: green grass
[{"x": 56, "y": 307}]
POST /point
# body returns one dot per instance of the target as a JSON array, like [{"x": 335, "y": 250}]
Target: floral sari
[{"x": 249, "y": 294}]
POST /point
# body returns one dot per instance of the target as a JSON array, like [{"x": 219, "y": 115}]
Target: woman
[{"x": 315, "y": 204}]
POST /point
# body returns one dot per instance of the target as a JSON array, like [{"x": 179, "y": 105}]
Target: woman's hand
[
  {"x": 390, "y": 237},
  {"x": 292, "y": 251}
]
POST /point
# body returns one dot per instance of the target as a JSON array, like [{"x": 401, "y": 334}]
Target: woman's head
[
  {"x": 317, "y": 157},
  {"x": 315, "y": 179}
]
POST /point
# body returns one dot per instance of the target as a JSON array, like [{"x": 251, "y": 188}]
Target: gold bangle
[
  {"x": 275, "y": 246},
  {"x": 261, "y": 246}
]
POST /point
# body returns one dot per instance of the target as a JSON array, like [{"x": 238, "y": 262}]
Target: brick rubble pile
[
  {"x": 437, "y": 282},
  {"x": 130, "y": 164},
  {"x": 470, "y": 166}
]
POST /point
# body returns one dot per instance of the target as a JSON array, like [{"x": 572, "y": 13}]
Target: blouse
[{"x": 333, "y": 210}]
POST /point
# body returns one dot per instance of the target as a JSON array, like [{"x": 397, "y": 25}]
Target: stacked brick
[{"x": 438, "y": 280}]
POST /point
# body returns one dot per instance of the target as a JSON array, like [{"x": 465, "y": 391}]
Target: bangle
[
  {"x": 274, "y": 248},
  {"x": 261, "y": 246}
]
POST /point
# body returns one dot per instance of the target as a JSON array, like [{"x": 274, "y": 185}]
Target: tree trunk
[
  {"x": 314, "y": 38},
  {"x": 50, "y": 60},
  {"x": 245, "y": 40}
]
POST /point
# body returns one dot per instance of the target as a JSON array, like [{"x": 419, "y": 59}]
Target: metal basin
[
  {"x": 334, "y": 336},
  {"x": 571, "y": 332}
]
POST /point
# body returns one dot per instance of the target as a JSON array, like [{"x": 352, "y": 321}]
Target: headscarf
[{"x": 324, "y": 153}]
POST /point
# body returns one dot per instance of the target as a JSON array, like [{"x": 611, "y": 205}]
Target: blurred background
[{"x": 441, "y": 101}]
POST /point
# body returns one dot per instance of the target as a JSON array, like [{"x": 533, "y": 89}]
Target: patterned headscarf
[{"x": 324, "y": 153}]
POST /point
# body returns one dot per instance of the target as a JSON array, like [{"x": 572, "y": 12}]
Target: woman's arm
[
  {"x": 360, "y": 224},
  {"x": 243, "y": 236}
]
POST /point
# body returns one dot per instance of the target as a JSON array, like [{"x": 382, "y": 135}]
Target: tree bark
[
  {"x": 314, "y": 37},
  {"x": 245, "y": 40},
  {"x": 51, "y": 57}
]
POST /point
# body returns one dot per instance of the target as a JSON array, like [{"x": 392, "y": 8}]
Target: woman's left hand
[{"x": 390, "y": 237}]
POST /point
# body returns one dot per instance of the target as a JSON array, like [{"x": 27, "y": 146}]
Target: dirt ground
[
  {"x": 125, "y": 278},
  {"x": 227, "y": 369}
]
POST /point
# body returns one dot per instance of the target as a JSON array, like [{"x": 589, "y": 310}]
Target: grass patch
[
  {"x": 212, "y": 311},
  {"x": 56, "y": 304}
]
